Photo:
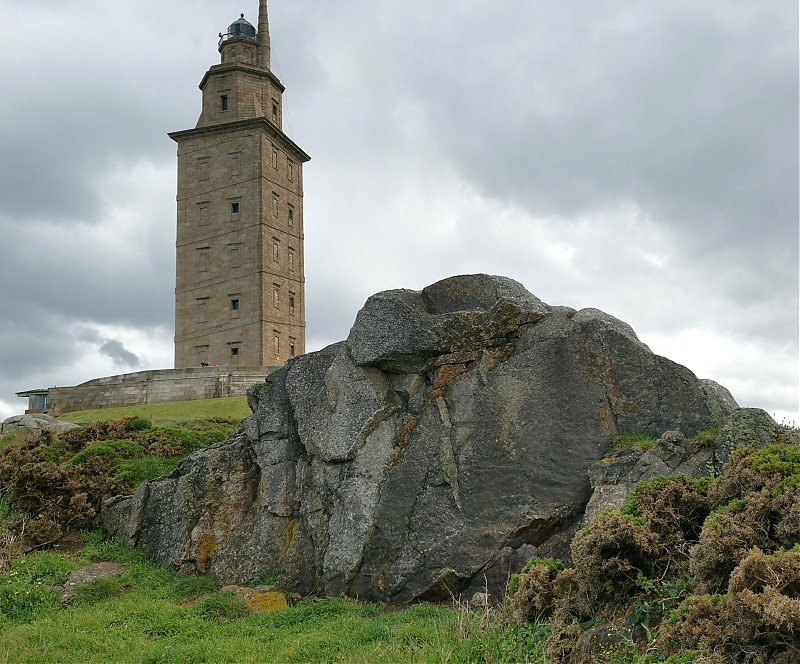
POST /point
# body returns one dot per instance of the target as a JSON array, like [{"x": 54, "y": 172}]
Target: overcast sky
[{"x": 636, "y": 156}]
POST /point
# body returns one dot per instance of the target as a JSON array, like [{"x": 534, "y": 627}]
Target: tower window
[
  {"x": 235, "y": 305},
  {"x": 276, "y": 251},
  {"x": 291, "y": 304},
  {"x": 274, "y": 204},
  {"x": 291, "y": 260},
  {"x": 234, "y": 208},
  {"x": 202, "y": 259},
  {"x": 276, "y": 342},
  {"x": 234, "y": 254},
  {"x": 291, "y": 216},
  {"x": 292, "y": 342},
  {"x": 202, "y": 168},
  {"x": 202, "y": 213},
  {"x": 274, "y": 111},
  {"x": 236, "y": 167},
  {"x": 291, "y": 171},
  {"x": 274, "y": 158},
  {"x": 234, "y": 351},
  {"x": 223, "y": 102},
  {"x": 202, "y": 309},
  {"x": 276, "y": 295}
]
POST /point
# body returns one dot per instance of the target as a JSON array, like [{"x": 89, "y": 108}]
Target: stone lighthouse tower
[{"x": 239, "y": 296}]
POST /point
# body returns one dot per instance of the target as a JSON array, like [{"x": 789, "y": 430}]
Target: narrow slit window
[
  {"x": 223, "y": 102},
  {"x": 234, "y": 255},
  {"x": 235, "y": 305},
  {"x": 234, "y": 208},
  {"x": 202, "y": 213},
  {"x": 202, "y": 309},
  {"x": 202, "y": 259},
  {"x": 202, "y": 168}
]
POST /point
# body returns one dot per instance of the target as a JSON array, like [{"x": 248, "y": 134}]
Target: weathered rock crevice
[{"x": 451, "y": 437}]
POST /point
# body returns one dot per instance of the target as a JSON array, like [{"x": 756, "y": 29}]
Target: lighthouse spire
[{"x": 263, "y": 35}]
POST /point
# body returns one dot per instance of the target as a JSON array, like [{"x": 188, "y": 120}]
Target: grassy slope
[
  {"x": 153, "y": 615},
  {"x": 234, "y": 408}
]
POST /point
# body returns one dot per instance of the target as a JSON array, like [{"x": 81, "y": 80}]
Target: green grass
[
  {"x": 706, "y": 438},
  {"x": 151, "y": 615},
  {"x": 630, "y": 439},
  {"x": 233, "y": 408}
]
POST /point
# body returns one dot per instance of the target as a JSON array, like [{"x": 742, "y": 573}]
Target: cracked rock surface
[{"x": 449, "y": 439}]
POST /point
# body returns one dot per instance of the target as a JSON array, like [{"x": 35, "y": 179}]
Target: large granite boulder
[{"x": 445, "y": 442}]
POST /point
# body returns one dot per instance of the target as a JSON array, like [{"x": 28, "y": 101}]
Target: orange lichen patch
[
  {"x": 267, "y": 602},
  {"x": 405, "y": 431},
  {"x": 206, "y": 547},
  {"x": 270, "y": 601},
  {"x": 447, "y": 374}
]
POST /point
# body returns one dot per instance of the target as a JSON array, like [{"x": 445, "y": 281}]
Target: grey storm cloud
[
  {"x": 114, "y": 349},
  {"x": 637, "y": 156}
]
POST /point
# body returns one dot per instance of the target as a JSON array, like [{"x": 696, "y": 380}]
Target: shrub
[
  {"x": 609, "y": 557},
  {"x": 55, "y": 484},
  {"x": 674, "y": 509},
  {"x": 756, "y": 506},
  {"x": 533, "y": 596},
  {"x": 727, "y": 536},
  {"x": 758, "y": 620},
  {"x": 629, "y": 592}
]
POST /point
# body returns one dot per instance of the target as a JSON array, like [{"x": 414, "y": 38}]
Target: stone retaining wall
[{"x": 157, "y": 386}]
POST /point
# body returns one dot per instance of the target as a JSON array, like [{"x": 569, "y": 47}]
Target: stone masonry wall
[{"x": 159, "y": 386}]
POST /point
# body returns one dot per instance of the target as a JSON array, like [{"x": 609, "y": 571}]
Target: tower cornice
[
  {"x": 251, "y": 123},
  {"x": 239, "y": 66}
]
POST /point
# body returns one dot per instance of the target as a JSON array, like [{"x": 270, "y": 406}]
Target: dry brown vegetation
[
  {"x": 688, "y": 570},
  {"x": 52, "y": 485}
]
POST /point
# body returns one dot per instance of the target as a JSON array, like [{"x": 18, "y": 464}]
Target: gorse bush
[
  {"x": 532, "y": 592},
  {"x": 55, "y": 484},
  {"x": 687, "y": 570}
]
